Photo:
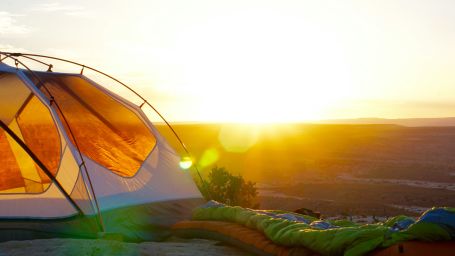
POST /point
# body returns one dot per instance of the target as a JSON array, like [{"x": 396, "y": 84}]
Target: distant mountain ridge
[{"x": 411, "y": 122}]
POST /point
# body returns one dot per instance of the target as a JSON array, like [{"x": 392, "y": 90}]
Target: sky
[{"x": 255, "y": 61}]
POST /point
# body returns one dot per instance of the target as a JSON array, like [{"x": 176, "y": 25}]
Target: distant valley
[{"x": 351, "y": 169}]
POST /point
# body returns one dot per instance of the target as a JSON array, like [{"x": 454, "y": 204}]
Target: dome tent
[{"x": 78, "y": 160}]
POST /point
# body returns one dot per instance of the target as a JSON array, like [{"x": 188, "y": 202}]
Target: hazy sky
[{"x": 256, "y": 60}]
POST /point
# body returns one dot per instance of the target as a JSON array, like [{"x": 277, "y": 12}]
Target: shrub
[{"x": 229, "y": 189}]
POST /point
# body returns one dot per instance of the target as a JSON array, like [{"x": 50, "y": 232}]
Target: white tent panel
[
  {"x": 50, "y": 204},
  {"x": 159, "y": 179},
  {"x": 68, "y": 171}
]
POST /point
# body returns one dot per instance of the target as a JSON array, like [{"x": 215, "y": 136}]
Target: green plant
[{"x": 229, "y": 189}]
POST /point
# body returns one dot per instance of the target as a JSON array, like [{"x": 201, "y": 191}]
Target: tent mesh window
[
  {"x": 11, "y": 180},
  {"x": 32, "y": 122},
  {"x": 41, "y": 136},
  {"x": 105, "y": 130}
]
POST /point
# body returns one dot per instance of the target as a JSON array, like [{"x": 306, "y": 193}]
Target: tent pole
[
  {"x": 29, "y": 56},
  {"x": 40, "y": 164}
]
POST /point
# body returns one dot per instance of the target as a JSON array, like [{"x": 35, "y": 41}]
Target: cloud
[
  {"x": 62, "y": 53},
  {"x": 71, "y": 10},
  {"x": 10, "y": 48},
  {"x": 8, "y": 25}
]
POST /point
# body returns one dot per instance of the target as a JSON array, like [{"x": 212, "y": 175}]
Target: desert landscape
[{"x": 355, "y": 170}]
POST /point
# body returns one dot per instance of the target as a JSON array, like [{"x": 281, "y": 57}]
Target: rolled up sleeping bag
[{"x": 257, "y": 243}]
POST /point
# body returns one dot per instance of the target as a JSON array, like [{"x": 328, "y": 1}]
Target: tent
[{"x": 77, "y": 160}]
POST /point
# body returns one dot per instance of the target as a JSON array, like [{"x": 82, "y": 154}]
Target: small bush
[{"x": 229, "y": 189}]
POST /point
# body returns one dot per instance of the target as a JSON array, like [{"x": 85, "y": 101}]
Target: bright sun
[
  {"x": 270, "y": 69},
  {"x": 285, "y": 62},
  {"x": 246, "y": 73},
  {"x": 255, "y": 61}
]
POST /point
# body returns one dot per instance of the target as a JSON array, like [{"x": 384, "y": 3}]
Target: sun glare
[
  {"x": 280, "y": 61},
  {"x": 263, "y": 78},
  {"x": 250, "y": 71}
]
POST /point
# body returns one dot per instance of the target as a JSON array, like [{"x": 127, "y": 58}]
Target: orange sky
[{"x": 256, "y": 61}]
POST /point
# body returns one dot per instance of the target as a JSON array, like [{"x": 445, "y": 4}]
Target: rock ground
[{"x": 85, "y": 247}]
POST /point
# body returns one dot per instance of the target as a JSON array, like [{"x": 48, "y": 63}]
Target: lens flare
[
  {"x": 238, "y": 138},
  {"x": 210, "y": 156},
  {"x": 186, "y": 163}
]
